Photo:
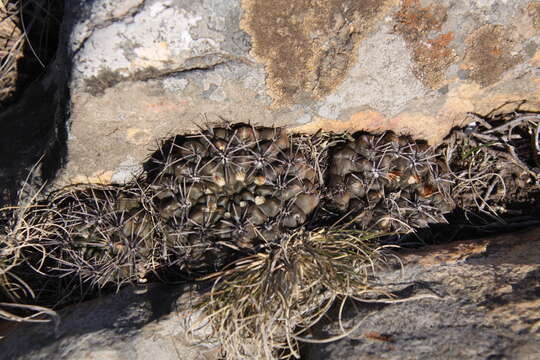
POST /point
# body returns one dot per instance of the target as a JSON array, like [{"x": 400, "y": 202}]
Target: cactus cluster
[
  {"x": 230, "y": 188},
  {"x": 261, "y": 213},
  {"x": 388, "y": 182},
  {"x": 106, "y": 235},
  {"x": 207, "y": 199},
  {"x": 98, "y": 235}
]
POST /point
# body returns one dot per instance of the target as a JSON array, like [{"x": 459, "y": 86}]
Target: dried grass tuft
[
  {"x": 262, "y": 304},
  {"x": 494, "y": 163},
  {"x": 19, "y": 246}
]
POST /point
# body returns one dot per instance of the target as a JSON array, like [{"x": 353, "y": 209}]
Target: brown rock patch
[
  {"x": 307, "y": 46},
  {"x": 489, "y": 53},
  {"x": 472, "y": 97},
  {"x": 373, "y": 121},
  {"x": 431, "y": 56},
  {"x": 533, "y": 10},
  {"x": 11, "y": 44},
  {"x": 449, "y": 254},
  {"x": 373, "y": 335}
]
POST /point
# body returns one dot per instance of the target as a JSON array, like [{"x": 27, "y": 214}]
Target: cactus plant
[
  {"x": 388, "y": 182},
  {"x": 234, "y": 188},
  {"x": 101, "y": 235}
]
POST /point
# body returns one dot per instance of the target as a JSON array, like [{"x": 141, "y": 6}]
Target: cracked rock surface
[
  {"x": 128, "y": 325},
  {"x": 486, "y": 305},
  {"x": 143, "y": 70}
]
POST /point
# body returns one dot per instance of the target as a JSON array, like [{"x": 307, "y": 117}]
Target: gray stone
[
  {"x": 370, "y": 83},
  {"x": 488, "y": 306},
  {"x": 159, "y": 324},
  {"x": 483, "y": 303},
  {"x": 144, "y": 39},
  {"x": 147, "y": 69}
]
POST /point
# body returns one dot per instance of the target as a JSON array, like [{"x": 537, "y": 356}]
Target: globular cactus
[
  {"x": 237, "y": 187},
  {"x": 495, "y": 165},
  {"x": 207, "y": 200},
  {"x": 101, "y": 235},
  {"x": 387, "y": 182}
]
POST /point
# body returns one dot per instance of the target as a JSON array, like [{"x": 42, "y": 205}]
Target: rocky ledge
[
  {"x": 148, "y": 69},
  {"x": 473, "y": 299}
]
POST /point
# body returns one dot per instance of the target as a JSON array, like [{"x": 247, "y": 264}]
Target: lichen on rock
[
  {"x": 308, "y": 46},
  {"x": 490, "y": 53},
  {"x": 533, "y": 10},
  {"x": 431, "y": 55}
]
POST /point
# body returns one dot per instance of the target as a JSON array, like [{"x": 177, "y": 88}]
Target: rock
[
  {"x": 483, "y": 303},
  {"x": 33, "y": 138},
  {"x": 127, "y": 325},
  {"x": 10, "y": 50},
  {"x": 151, "y": 68},
  {"x": 488, "y": 305}
]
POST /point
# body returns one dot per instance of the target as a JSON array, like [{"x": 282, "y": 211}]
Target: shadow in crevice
[
  {"x": 33, "y": 127},
  {"x": 468, "y": 225},
  {"x": 112, "y": 312}
]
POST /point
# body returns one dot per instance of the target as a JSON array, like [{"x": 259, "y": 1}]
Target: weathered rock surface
[
  {"x": 10, "y": 50},
  {"x": 485, "y": 305},
  {"x": 119, "y": 327},
  {"x": 488, "y": 306},
  {"x": 147, "y": 69},
  {"x": 141, "y": 70}
]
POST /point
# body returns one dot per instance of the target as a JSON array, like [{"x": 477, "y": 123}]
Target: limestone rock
[
  {"x": 128, "y": 325},
  {"x": 147, "y": 69},
  {"x": 488, "y": 305}
]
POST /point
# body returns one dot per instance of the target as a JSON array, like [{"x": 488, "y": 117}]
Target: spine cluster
[{"x": 388, "y": 182}]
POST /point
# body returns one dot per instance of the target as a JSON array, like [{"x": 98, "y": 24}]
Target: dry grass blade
[
  {"x": 262, "y": 303},
  {"x": 38, "y": 314},
  {"x": 19, "y": 241}
]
